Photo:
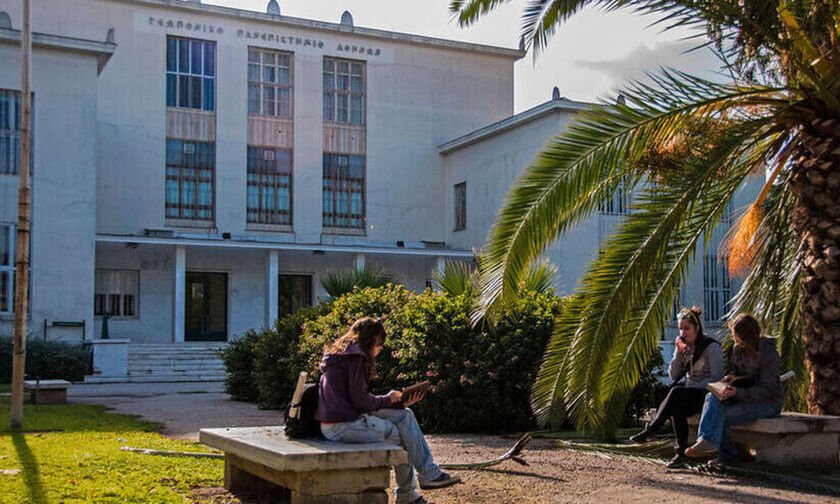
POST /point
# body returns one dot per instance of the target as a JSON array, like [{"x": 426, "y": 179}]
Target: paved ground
[{"x": 183, "y": 408}]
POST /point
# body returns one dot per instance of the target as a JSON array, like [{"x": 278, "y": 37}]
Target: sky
[{"x": 588, "y": 59}]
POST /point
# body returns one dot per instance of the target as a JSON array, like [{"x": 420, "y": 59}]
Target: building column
[
  {"x": 441, "y": 264},
  {"x": 272, "y": 271},
  {"x": 359, "y": 261},
  {"x": 179, "y": 294}
]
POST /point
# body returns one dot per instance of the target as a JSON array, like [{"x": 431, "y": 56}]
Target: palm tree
[{"x": 684, "y": 145}]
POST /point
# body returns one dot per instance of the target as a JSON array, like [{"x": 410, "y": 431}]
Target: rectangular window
[
  {"x": 269, "y": 83},
  {"x": 344, "y": 91},
  {"x": 190, "y": 179},
  {"x": 618, "y": 204},
  {"x": 269, "y": 185},
  {"x": 7, "y": 268},
  {"x": 716, "y": 287},
  {"x": 461, "y": 206},
  {"x": 116, "y": 293},
  {"x": 190, "y": 73},
  {"x": 344, "y": 191},
  {"x": 294, "y": 293},
  {"x": 9, "y": 132}
]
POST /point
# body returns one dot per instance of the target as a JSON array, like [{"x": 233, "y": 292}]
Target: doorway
[{"x": 206, "y": 307}]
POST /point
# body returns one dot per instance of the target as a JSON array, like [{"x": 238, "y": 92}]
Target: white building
[{"x": 196, "y": 168}]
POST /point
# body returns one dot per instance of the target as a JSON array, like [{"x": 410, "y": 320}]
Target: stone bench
[
  {"x": 315, "y": 471},
  {"x": 47, "y": 391},
  {"x": 792, "y": 439}
]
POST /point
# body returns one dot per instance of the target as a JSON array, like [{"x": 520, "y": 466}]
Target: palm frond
[
  {"x": 578, "y": 169},
  {"x": 340, "y": 282},
  {"x": 540, "y": 277},
  {"x": 456, "y": 278}
]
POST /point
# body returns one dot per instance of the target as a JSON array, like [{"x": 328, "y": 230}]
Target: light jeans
[
  {"x": 718, "y": 418},
  {"x": 397, "y": 426}
]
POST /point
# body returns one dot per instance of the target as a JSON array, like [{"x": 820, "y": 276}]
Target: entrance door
[{"x": 206, "y": 307}]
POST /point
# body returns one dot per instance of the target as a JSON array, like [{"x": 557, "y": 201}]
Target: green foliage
[
  {"x": 480, "y": 376},
  {"x": 47, "y": 360},
  {"x": 238, "y": 358},
  {"x": 338, "y": 283},
  {"x": 456, "y": 278}
]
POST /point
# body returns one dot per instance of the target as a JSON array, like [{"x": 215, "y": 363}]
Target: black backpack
[{"x": 305, "y": 426}]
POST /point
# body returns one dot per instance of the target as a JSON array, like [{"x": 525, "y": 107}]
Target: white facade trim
[
  {"x": 103, "y": 50},
  {"x": 267, "y": 245}
]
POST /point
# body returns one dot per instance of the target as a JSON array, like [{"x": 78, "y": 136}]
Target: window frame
[
  {"x": 717, "y": 287},
  {"x": 460, "y": 206},
  {"x": 336, "y": 189},
  {"x": 618, "y": 203},
  {"x": 262, "y": 85},
  {"x": 277, "y": 186},
  {"x": 178, "y": 74},
  {"x": 333, "y": 92},
  {"x": 181, "y": 177},
  {"x": 9, "y": 268},
  {"x": 107, "y": 296}
]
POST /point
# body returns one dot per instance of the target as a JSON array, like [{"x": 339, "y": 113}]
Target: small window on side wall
[{"x": 461, "y": 206}]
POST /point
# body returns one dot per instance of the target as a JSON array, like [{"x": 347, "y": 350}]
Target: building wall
[{"x": 63, "y": 185}]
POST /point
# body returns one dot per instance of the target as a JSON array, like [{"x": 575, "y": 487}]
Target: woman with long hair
[
  {"x": 699, "y": 359},
  {"x": 754, "y": 391},
  {"x": 350, "y": 413}
]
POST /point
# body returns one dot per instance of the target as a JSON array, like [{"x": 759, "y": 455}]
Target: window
[
  {"x": 344, "y": 186},
  {"x": 344, "y": 91},
  {"x": 9, "y": 132},
  {"x": 190, "y": 73},
  {"x": 190, "y": 176},
  {"x": 294, "y": 293},
  {"x": 115, "y": 293},
  {"x": 269, "y": 185},
  {"x": 460, "y": 206},
  {"x": 7, "y": 267},
  {"x": 618, "y": 204},
  {"x": 716, "y": 288},
  {"x": 269, "y": 83}
]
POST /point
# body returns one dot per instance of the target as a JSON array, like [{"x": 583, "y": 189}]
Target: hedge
[{"x": 46, "y": 360}]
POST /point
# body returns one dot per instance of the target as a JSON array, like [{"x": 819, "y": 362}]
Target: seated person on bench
[
  {"x": 754, "y": 391},
  {"x": 349, "y": 413}
]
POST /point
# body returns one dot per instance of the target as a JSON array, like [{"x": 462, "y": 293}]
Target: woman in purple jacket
[{"x": 349, "y": 413}]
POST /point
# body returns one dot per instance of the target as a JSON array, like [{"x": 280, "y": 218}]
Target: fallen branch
[
  {"x": 146, "y": 451},
  {"x": 512, "y": 454}
]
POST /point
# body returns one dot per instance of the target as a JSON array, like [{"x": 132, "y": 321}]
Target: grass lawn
[{"x": 71, "y": 454}]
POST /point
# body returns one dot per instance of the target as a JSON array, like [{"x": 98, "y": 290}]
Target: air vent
[
  {"x": 189, "y": 148},
  {"x": 269, "y": 155},
  {"x": 159, "y": 233}
]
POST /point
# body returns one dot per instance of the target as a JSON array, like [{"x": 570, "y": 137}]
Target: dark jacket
[
  {"x": 343, "y": 390},
  {"x": 761, "y": 370}
]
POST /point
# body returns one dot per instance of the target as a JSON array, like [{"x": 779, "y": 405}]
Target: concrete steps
[{"x": 170, "y": 362}]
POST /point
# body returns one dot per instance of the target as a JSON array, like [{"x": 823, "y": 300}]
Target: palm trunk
[{"x": 816, "y": 183}]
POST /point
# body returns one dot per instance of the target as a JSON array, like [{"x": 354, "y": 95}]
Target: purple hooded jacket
[{"x": 343, "y": 390}]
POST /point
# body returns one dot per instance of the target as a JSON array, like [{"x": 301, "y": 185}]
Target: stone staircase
[{"x": 170, "y": 362}]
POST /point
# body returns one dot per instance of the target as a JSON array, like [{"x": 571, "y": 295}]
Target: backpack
[{"x": 305, "y": 426}]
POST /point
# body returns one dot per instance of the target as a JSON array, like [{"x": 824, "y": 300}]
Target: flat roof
[
  {"x": 323, "y": 26},
  {"x": 512, "y": 122}
]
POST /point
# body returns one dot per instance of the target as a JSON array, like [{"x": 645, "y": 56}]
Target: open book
[
  {"x": 717, "y": 387},
  {"x": 421, "y": 387}
]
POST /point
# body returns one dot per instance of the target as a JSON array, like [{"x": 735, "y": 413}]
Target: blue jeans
[
  {"x": 397, "y": 426},
  {"x": 718, "y": 418}
]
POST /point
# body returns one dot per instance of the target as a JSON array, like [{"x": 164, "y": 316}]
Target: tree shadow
[
  {"x": 29, "y": 470},
  {"x": 722, "y": 493}
]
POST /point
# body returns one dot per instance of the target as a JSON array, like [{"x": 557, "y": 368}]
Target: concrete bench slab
[
  {"x": 47, "y": 391},
  {"x": 315, "y": 471},
  {"x": 792, "y": 439}
]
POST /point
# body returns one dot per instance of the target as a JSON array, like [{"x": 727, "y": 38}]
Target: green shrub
[
  {"x": 46, "y": 360},
  {"x": 481, "y": 377},
  {"x": 238, "y": 358}
]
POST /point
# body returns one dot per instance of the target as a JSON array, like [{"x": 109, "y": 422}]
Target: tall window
[
  {"x": 618, "y": 204},
  {"x": 716, "y": 288},
  {"x": 344, "y": 186},
  {"x": 190, "y": 73},
  {"x": 190, "y": 179},
  {"x": 460, "y": 206},
  {"x": 294, "y": 293},
  {"x": 269, "y": 83},
  {"x": 7, "y": 267},
  {"x": 344, "y": 91},
  {"x": 269, "y": 185},
  {"x": 115, "y": 292},
  {"x": 9, "y": 132}
]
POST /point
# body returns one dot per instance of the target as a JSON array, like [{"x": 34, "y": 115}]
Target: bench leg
[{"x": 812, "y": 451}]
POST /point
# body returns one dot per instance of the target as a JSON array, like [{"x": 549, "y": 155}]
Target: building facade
[{"x": 196, "y": 168}]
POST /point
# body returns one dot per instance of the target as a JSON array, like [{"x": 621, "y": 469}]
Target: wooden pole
[{"x": 22, "y": 242}]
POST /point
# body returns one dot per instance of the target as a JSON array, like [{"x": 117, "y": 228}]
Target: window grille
[
  {"x": 190, "y": 73},
  {"x": 460, "y": 206},
  {"x": 343, "y": 191},
  {"x": 9, "y": 132},
  {"x": 716, "y": 287},
  {"x": 344, "y": 91},
  {"x": 618, "y": 204},
  {"x": 190, "y": 179},
  {"x": 269, "y": 185},
  {"x": 269, "y": 83}
]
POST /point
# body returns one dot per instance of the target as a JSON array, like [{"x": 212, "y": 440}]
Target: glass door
[{"x": 206, "y": 307}]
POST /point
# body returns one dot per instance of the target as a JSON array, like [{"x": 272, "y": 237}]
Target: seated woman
[
  {"x": 754, "y": 391},
  {"x": 700, "y": 360},
  {"x": 349, "y": 413}
]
